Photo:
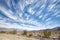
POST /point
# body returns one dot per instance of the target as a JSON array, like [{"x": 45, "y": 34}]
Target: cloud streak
[{"x": 29, "y": 14}]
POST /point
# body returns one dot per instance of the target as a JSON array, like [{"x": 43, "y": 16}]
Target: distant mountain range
[
  {"x": 9, "y": 29},
  {"x": 56, "y": 28}
]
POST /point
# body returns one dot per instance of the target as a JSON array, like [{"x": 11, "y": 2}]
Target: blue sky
[{"x": 29, "y": 14}]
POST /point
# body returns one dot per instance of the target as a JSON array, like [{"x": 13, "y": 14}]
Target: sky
[{"x": 30, "y": 14}]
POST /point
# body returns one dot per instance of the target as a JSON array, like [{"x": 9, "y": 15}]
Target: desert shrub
[
  {"x": 30, "y": 34},
  {"x": 2, "y": 31},
  {"x": 13, "y": 32},
  {"x": 47, "y": 33},
  {"x": 24, "y": 32},
  {"x": 59, "y": 37}
]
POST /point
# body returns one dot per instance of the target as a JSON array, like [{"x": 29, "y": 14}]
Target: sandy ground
[{"x": 15, "y": 37}]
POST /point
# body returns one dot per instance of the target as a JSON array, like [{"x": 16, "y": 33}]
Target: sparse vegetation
[
  {"x": 40, "y": 35},
  {"x": 24, "y": 32},
  {"x": 30, "y": 34},
  {"x": 13, "y": 32},
  {"x": 59, "y": 35},
  {"x": 47, "y": 33},
  {"x": 2, "y": 31}
]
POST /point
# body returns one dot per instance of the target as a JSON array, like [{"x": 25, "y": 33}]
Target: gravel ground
[{"x": 15, "y": 37}]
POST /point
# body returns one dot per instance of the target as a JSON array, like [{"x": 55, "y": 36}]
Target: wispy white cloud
[
  {"x": 56, "y": 13},
  {"x": 49, "y": 19},
  {"x": 29, "y": 1},
  {"x": 45, "y": 16},
  {"x": 19, "y": 11},
  {"x": 40, "y": 16},
  {"x": 8, "y": 13},
  {"x": 8, "y": 3},
  {"x": 40, "y": 11},
  {"x": 5, "y": 24},
  {"x": 58, "y": 16},
  {"x": 50, "y": 7},
  {"x": 31, "y": 11},
  {"x": 54, "y": 0}
]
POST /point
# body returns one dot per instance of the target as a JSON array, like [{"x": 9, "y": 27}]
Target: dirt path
[{"x": 14, "y": 37}]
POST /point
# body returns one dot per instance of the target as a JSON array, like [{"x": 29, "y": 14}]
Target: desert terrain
[
  {"x": 15, "y": 37},
  {"x": 48, "y": 34}
]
